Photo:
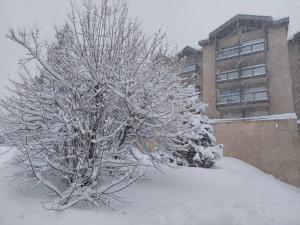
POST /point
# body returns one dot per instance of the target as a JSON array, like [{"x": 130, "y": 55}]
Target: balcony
[
  {"x": 241, "y": 50},
  {"x": 246, "y": 72},
  {"x": 243, "y": 98}
]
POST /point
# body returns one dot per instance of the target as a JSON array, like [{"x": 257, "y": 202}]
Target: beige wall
[
  {"x": 209, "y": 80},
  {"x": 294, "y": 58},
  {"x": 279, "y": 85},
  {"x": 272, "y": 146}
]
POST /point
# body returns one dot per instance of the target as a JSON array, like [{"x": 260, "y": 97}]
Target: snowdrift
[{"x": 232, "y": 193}]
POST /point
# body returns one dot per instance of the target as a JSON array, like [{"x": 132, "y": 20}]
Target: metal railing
[
  {"x": 240, "y": 50},
  {"x": 244, "y": 97}
]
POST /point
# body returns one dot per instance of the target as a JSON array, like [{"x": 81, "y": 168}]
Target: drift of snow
[{"x": 232, "y": 193}]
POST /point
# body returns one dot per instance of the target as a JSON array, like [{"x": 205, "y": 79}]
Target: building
[
  {"x": 246, "y": 68},
  {"x": 192, "y": 67},
  {"x": 247, "y": 83}
]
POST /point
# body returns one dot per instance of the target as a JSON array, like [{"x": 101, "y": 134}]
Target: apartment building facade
[
  {"x": 246, "y": 68},
  {"x": 246, "y": 74}
]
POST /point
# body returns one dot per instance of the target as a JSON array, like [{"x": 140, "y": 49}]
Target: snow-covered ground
[{"x": 232, "y": 193}]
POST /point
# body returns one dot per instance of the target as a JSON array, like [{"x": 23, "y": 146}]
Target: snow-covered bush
[
  {"x": 103, "y": 102},
  {"x": 196, "y": 147}
]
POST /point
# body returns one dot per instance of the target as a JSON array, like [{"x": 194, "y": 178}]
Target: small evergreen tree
[{"x": 197, "y": 145}]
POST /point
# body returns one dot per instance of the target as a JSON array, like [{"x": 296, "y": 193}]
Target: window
[
  {"x": 234, "y": 98},
  {"x": 255, "y": 94},
  {"x": 255, "y": 89},
  {"x": 221, "y": 55},
  {"x": 253, "y": 46},
  {"x": 253, "y": 71},
  {"x": 222, "y": 99},
  {"x": 228, "y": 75},
  {"x": 258, "y": 47},
  {"x": 233, "y": 75},
  {"x": 189, "y": 68},
  {"x": 263, "y": 95},
  {"x": 229, "y": 96},
  {"x": 259, "y": 70},
  {"x": 245, "y": 49},
  {"x": 233, "y": 52},
  {"x": 246, "y": 72},
  {"x": 248, "y": 97},
  {"x": 227, "y": 99},
  {"x": 221, "y": 77}
]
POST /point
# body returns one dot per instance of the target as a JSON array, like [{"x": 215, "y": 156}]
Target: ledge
[{"x": 284, "y": 116}]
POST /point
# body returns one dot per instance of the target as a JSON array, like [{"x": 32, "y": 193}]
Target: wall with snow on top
[{"x": 270, "y": 144}]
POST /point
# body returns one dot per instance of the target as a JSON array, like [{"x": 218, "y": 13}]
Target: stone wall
[{"x": 270, "y": 145}]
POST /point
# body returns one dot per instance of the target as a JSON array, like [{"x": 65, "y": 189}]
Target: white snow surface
[{"x": 234, "y": 193}]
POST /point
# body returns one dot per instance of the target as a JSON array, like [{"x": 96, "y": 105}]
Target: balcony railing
[
  {"x": 253, "y": 71},
  {"x": 240, "y": 50},
  {"x": 245, "y": 97}
]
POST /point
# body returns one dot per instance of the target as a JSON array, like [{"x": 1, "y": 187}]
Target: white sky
[{"x": 185, "y": 21}]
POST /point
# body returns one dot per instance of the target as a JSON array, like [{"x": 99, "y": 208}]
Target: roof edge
[
  {"x": 283, "y": 21},
  {"x": 268, "y": 20},
  {"x": 238, "y": 17}
]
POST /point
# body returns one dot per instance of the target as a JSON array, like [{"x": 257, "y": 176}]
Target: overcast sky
[{"x": 185, "y": 21}]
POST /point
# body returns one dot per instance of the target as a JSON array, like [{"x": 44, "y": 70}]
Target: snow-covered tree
[
  {"x": 103, "y": 102},
  {"x": 196, "y": 147}
]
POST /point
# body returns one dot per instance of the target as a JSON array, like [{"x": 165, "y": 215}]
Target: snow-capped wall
[{"x": 272, "y": 144}]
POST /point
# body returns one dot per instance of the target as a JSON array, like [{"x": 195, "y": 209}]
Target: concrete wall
[
  {"x": 279, "y": 85},
  {"x": 294, "y": 58},
  {"x": 209, "y": 80},
  {"x": 271, "y": 145}
]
